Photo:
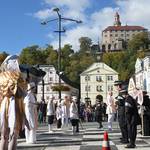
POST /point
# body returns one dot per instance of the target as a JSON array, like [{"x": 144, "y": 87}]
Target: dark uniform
[
  {"x": 146, "y": 115},
  {"x": 121, "y": 113},
  {"x": 122, "y": 118},
  {"x": 98, "y": 113},
  {"x": 131, "y": 112}
]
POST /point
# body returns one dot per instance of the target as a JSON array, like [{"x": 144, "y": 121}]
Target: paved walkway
[{"x": 89, "y": 138}]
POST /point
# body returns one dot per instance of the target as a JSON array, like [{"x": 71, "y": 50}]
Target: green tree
[
  {"x": 66, "y": 54},
  {"x": 51, "y": 56},
  {"x": 85, "y": 44},
  {"x": 3, "y": 55},
  {"x": 139, "y": 41},
  {"x": 32, "y": 55}
]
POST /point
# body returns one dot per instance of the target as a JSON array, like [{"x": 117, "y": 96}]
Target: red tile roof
[{"x": 124, "y": 28}]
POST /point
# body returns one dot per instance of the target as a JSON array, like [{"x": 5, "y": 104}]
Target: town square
[{"x": 75, "y": 75}]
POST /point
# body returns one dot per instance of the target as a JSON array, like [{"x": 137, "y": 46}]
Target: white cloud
[
  {"x": 132, "y": 12},
  {"x": 135, "y": 12},
  {"x": 44, "y": 14}
]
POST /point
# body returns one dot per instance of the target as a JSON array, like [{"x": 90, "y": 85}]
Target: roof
[
  {"x": 100, "y": 65},
  {"x": 124, "y": 28}
]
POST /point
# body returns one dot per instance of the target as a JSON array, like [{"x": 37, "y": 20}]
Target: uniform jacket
[{"x": 131, "y": 110}]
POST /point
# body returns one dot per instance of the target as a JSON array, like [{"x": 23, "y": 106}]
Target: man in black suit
[
  {"x": 121, "y": 112},
  {"x": 131, "y": 113}
]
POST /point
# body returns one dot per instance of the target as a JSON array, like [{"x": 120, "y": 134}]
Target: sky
[{"x": 20, "y": 24}]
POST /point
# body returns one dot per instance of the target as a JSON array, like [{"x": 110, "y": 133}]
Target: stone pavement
[{"x": 89, "y": 138}]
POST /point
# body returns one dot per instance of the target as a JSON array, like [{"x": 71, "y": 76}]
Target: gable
[{"x": 99, "y": 68}]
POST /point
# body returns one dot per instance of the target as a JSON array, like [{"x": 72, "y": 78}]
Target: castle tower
[{"x": 117, "y": 20}]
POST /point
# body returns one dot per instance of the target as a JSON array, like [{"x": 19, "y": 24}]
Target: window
[
  {"x": 47, "y": 97},
  {"x": 51, "y": 79},
  {"x": 51, "y": 72},
  {"x": 87, "y": 88},
  {"x": 122, "y": 34},
  {"x": 105, "y": 35},
  {"x": 41, "y": 88},
  {"x": 87, "y": 78},
  {"x": 110, "y": 34},
  {"x": 99, "y": 88},
  {"x": 98, "y": 78},
  {"x": 109, "y": 78},
  {"x": 47, "y": 88},
  {"x": 110, "y": 88},
  {"x": 116, "y": 35}
]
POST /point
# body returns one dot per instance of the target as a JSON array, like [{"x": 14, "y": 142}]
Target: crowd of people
[{"x": 19, "y": 108}]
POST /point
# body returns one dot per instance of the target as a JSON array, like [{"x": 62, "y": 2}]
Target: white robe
[{"x": 30, "y": 112}]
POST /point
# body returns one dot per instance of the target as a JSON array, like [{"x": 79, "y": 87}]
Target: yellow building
[{"x": 98, "y": 79}]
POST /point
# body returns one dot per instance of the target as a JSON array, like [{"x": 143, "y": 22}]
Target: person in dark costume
[
  {"x": 146, "y": 114},
  {"x": 131, "y": 113},
  {"x": 121, "y": 113},
  {"x": 99, "y": 112}
]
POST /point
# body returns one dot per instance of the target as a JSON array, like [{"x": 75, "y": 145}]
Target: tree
[
  {"x": 66, "y": 54},
  {"x": 3, "y": 55},
  {"x": 51, "y": 56},
  {"x": 139, "y": 41},
  {"x": 32, "y": 55},
  {"x": 85, "y": 44}
]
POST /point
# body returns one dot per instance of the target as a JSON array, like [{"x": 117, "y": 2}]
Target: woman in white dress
[
  {"x": 31, "y": 114},
  {"x": 74, "y": 117},
  {"x": 50, "y": 113},
  {"x": 111, "y": 110}
]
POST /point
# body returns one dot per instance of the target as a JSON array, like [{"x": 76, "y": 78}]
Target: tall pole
[
  {"x": 59, "y": 19},
  {"x": 43, "y": 98},
  {"x": 59, "y": 55}
]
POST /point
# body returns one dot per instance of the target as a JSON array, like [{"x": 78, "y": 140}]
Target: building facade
[
  {"x": 98, "y": 79},
  {"x": 116, "y": 37},
  {"x": 142, "y": 74},
  {"x": 50, "y": 80}
]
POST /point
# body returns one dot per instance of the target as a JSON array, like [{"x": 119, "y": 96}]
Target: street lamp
[{"x": 59, "y": 19}]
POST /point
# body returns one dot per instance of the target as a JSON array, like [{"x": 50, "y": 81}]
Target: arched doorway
[
  {"x": 109, "y": 47},
  {"x": 103, "y": 48}
]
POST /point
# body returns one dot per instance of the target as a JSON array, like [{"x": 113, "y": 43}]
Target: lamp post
[{"x": 59, "y": 19}]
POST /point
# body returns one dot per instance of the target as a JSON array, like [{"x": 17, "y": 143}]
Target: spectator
[
  {"x": 50, "y": 114},
  {"x": 111, "y": 110},
  {"x": 99, "y": 112},
  {"x": 74, "y": 114}
]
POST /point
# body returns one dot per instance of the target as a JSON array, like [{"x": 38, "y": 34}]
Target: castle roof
[{"x": 124, "y": 28}]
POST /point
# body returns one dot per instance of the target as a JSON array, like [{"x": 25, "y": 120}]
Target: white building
[
  {"x": 51, "y": 79},
  {"x": 142, "y": 73},
  {"x": 116, "y": 37},
  {"x": 98, "y": 79}
]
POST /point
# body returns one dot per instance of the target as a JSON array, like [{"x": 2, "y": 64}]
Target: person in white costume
[
  {"x": 12, "y": 91},
  {"x": 111, "y": 109},
  {"x": 31, "y": 114},
  {"x": 50, "y": 113},
  {"x": 67, "y": 104},
  {"x": 74, "y": 117},
  {"x": 63, "y": 109}
]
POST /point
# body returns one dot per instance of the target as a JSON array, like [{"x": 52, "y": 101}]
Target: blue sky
[{"x": 20, "y": 20}]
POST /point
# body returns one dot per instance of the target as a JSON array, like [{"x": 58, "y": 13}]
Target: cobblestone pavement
[{"x": 89, "y": 138}]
